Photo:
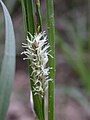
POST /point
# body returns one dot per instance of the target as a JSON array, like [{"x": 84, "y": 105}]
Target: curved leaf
[{"x": 8, "y": 64}]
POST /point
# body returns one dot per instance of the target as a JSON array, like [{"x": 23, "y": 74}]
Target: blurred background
[{"x": 72, "y": 89}]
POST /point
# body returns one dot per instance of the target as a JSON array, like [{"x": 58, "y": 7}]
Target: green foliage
[
  {"x": 8, "y": 64},
  {"x": 76, "y": 48},
  {"x": 27, "y": 8},
  {"x": 51, "y": 38},
  {"x": 33, "y": 27},
  {"x": 38, "y": 15}
]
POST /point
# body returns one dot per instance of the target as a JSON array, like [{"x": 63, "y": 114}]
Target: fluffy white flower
[{"x": 36, "y": 50}]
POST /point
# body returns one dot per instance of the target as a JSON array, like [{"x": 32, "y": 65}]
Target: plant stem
[
  {"x": 51, "y": 38},
  {"x": 88, "y": 22},
  {"x": 38, "y": 15},
  {"x": 38, "y": 102},
  {"x": 27, "y": 8}
]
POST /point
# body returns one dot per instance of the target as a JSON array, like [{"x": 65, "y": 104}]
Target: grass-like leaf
[
  {"x": 27, "y": 8},
  {"x": 8, "y": 64},
  {"x": 76, "y": 55},
  {"x": 38, "y": 15},
  {"x": 51, "y": 38}
]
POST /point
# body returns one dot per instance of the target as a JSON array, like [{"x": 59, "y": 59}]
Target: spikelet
[{"x": 36, "y": 50}]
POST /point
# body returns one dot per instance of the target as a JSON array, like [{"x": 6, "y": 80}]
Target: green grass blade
[
  {"x": 51, "y": 38},
  {"x": 8, "y": 65},
  {"x": 27, "y": 8},
  {"x": 39, "y": 29},
  {"x": 38, "y": 15},
  {"x": 77, "y": 62}
]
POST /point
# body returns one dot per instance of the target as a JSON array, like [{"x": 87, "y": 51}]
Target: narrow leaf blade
[{"x": 8, "y": 64}]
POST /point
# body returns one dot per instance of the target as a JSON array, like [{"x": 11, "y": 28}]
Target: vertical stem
[
  {"x": 88, "y": 22},
  {"x": 39, "y": 29},
  {"x": 38, "y": 102},
  {"x": 27, "y": 8},
  {"x": 38, "y": 15},
  {"x": 51, "y": 38}
]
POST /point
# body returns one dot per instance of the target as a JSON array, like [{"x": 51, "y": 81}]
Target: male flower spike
[{"x": 36, "y": 50}]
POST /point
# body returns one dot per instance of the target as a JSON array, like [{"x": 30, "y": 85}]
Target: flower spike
[{"x": 36, "y": 50}]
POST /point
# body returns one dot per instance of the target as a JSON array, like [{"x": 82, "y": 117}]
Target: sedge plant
[{"x": 40, "y": 53}]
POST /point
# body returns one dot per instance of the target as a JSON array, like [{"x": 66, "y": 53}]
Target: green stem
[
  {"x": 39, "y": 29},
  {"x": 51, "y": 38},
  {"x": 27, "y": 6},
  {"x": 88, "y": 22},
  {"x": 38, "y": 16}
]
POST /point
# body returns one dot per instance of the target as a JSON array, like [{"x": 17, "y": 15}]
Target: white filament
[{"x": 36, "y": 50}]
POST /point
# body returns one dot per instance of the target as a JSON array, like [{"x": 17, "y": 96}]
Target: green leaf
[
  {"x": 38, "y": 15},
  {"x": 51, "y": 39},
  {"x": 27, "y": 8},
  {"x": 8, "y": 64}
]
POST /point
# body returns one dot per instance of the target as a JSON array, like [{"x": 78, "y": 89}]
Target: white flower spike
[{"x": 36, "y": 50}]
